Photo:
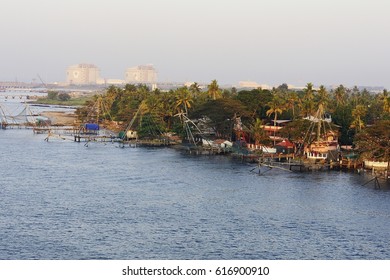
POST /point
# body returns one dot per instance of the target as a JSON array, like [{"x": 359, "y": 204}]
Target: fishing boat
[
  {"x": 322, "y": 149},
  {"x": 321, "y": 143}
]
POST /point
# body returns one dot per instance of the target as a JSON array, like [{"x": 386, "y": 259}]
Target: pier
[
  {"x": 65, "y": 130},
  {"x": 208, "y": 150},
  {"x": 94, "y": 138}
]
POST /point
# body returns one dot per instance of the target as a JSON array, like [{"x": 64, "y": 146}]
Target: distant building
[
  {"x": 114, "y": 82},
  {"x": 141, "y": 74},
  {"x": 83, "y": 74},
  {"x": 251, "y": 84}
]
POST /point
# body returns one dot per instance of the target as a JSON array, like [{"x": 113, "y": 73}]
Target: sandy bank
[{"x": 60, "y": 118}]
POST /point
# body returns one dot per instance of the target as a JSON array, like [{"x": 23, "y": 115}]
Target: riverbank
[
  {"x": 60, "y": 118},
  {"x": 74, "y": 101}
]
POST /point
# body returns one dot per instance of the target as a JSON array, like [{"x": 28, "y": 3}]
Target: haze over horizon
[{"x": 271, "y": 42}]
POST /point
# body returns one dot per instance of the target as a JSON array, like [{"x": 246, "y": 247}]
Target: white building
[
  {"x": 251, "y": 84},
  {"x": 114, "y": 82},
  {"x": 141, "y": 74},
  {"x": 83, "y": 74}
]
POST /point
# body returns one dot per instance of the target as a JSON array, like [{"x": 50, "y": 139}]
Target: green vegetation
[
  {"x": 355, "y": 112},
  {"x": 62, "y": 98},
  {"x": 374, "y": 141}
]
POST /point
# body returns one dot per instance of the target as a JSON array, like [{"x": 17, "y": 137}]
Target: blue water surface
[{"x": 62, "y": 200}]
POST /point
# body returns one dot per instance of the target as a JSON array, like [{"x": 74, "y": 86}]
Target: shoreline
[{"x": 60, "y": 118}]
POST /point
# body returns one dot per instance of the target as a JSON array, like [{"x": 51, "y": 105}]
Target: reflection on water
[{"x": 61, "y": 200}]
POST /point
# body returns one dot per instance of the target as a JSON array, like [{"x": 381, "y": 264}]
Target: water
[
  {"x": 13, "y": 103},
  {"x": 62, "y": 200}
]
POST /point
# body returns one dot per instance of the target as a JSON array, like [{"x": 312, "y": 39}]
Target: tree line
[{"x": 355, "y": 112}]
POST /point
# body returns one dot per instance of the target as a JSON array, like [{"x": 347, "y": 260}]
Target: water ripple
[{"x": 61, "y": 200}]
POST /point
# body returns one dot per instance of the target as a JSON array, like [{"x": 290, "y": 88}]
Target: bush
[
  {"x": 53, "y": 95},
  {"x": 63, "y": 97}
]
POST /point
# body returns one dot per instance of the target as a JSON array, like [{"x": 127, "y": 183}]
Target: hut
[
  {"x": 91, "y": 128},
  {"x": 285, "y": 147},
  {"x": 131, "y": 134}
]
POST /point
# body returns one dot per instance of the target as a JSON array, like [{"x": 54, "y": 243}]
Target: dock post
[{"x": 377, "y": 185}]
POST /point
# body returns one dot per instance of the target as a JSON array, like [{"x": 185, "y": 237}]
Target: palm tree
[
  {"x": 183, "y": 100},
  {"x": 142, "y": 91},
  {"x": 213, "y": 90},
  {"x": 309, "y": 91},
  {"x": 355, "y": 95},
  {"x": 275, "y": 106},
  {"x": 152, "y": 103},
  {"x": 307, "y": 103},
  {"x": 340, "y": 95},
  {"x": 358, "y": 114},
  {"x": 194, "y": 89},
  {"x": 258, "y": 132},
  {"x": 291, "y": 101},
  {"x": 130, "y": 88},
  {"x": 306, "y": 107},
  {"x": 167, "y": 108},
  {"x": 323, "y": 99},
  {"x": 113, "y": 94},
  {"x": 385, "y": 98}
]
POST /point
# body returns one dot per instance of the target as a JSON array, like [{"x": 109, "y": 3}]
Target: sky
[{"x": 328, "y": 42}]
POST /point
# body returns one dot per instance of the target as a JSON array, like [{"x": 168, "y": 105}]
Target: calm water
[
  {"x": 61, "y": 200},
  {"x": 14, "y": 103}
]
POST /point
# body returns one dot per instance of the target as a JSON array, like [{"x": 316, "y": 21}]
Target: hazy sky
[{"x": 267, "y": 41}]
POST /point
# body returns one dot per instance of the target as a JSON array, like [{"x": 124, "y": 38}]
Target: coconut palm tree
[
  {"x": 385, "y": 99},
  {"x": 307, "y": 102},
  {"x": 194, "y": 89},
  {"x": 183, "y": 100},
  {"x": 306, "y": 107},
  {"x": 113, "y": 94},
  {"x": 258, "y": 132},
  {"x": 130, "y": 88},
  {"x": 213, "y": 90},
  {"x": 309, "y": 91},
  {"x": 291, "y": 101},
  {"x": 355, "y": 95},
  {"x": 167, "y": 108},
  {"x": 142, "y": 91},
  {"x": 340, "y": 95},
  {"x": 276, "y": 106},
  {"x": 322, "y": 100},
  {"x": 358, "y": 114}
]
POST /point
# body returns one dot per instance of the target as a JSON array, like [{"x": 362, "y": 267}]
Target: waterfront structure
[
  {"x": 146, "y": 74},
  {"x": 83, "y": 74}
]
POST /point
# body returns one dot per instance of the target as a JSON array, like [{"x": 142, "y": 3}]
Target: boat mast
[
  {"x": 319, "y": 129},
  {"x": 320, "y": 114}
]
